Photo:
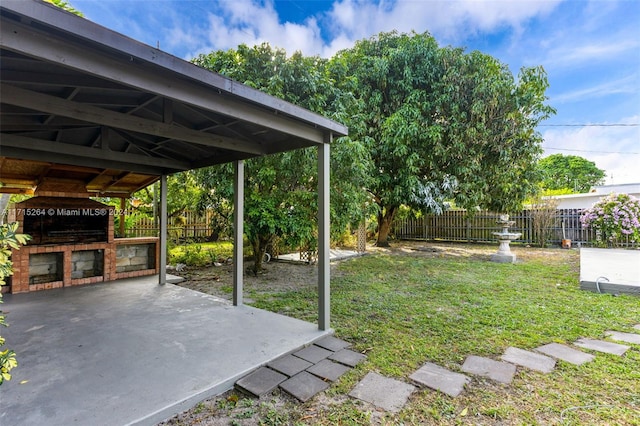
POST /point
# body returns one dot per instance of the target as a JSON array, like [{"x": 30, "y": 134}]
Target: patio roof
[
  {"x": 83, "y": 105},
  {"x": 85, "y": 108}
]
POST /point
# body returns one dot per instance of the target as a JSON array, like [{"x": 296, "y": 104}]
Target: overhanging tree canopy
[
  {"x": 281, "y": 188},
  {"x": 442, "y": 123}
]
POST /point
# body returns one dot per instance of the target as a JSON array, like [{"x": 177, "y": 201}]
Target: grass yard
[{"x": 406, "y": 307}]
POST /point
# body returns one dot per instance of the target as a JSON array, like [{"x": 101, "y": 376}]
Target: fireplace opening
[
  {"x": 46, "y": 268},
  {"x": 87, "y": 263},
  {"x": 65, "y": 220}
]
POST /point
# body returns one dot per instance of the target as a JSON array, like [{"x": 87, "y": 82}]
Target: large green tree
[
  {"x": 569, "y": 172},
  {"x": 281, "y": 189},
  {"x": 441, "y": 123}
]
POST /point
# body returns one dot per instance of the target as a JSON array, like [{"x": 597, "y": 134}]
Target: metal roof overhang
[{"x": 84, "y": 106}]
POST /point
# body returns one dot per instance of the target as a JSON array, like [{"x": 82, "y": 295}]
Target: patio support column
[
  {"x": 238, "y": 232},
  {"x": 324, "y": 277},
  {"x": 163, "y": 231}
]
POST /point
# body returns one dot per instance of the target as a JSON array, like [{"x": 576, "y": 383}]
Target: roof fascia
[{"x": 134, "y": 51}]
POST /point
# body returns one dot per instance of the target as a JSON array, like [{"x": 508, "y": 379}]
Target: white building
[{"x": 584, "y": 201}]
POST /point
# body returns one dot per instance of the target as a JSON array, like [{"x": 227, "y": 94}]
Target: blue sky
[{"x": 590, "y": 49}]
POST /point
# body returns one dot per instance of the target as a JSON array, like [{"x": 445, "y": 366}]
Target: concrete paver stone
[
  {"x": 624, "y": 337},
  {"x": 347, "y": 357},
  {"x": 332, "y": 343},
  {"x": 531, "y": 360},
  {"x": 313, "y": 353},
  {"x": 289, "y": 365},
  {"x": 499, "y": 371},
  {"x": 304, "y": 386},
  {"x": 565, "y": 353},
  {"x": 436, "y": 377},
  {"x": 261, "y": 381},
  {"x": 389, "y": 394},
  {"x": 328, "y": 370},
  {"x": 602, "y": 346}
]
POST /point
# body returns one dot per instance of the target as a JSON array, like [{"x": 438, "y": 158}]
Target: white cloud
[
  {"x": 574, "y": 53},
  {"x": 449, "y": 21},
  {"x": 625, "y": 85},
  {"x": 613, "y": 149},
  {"x": 253, "y": 21}
]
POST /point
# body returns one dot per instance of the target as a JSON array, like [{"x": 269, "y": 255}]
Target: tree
[
  {"x": 569, "y": 172},
  {"x": 66, "y": 6},
  {"x": 441, "y": 123},
  {"x": 281, "y": 189}
]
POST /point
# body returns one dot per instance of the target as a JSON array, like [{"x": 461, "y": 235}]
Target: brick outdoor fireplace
[{"x": 72, "y": 243}]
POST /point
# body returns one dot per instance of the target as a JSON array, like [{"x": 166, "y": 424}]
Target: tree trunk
[
  {"x": 259, "y": 244},
  {"x": 385, "y": 219}
]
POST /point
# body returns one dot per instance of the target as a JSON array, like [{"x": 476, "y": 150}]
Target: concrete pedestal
[{"x": 503, "y": 257}]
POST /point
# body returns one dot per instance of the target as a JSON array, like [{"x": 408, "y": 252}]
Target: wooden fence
[
  {"x": 457, "y": 225},
  {"x": 189, "y": 225}
]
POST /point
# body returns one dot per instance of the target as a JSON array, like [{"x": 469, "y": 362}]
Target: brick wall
[{"x": 70, "y": 264}]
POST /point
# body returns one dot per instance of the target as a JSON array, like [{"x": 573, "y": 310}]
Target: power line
[{"x": 597, "y": 152}]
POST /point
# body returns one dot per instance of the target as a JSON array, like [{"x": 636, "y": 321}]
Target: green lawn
[{"x": 403, "y": 310}]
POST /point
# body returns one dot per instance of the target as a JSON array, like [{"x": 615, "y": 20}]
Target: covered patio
[
  {"x": 132, "y": 352},
  {"x": 87, "y": 112}
]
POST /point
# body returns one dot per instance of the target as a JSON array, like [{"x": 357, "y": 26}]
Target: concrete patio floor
[{"x": 132, "y": 352}]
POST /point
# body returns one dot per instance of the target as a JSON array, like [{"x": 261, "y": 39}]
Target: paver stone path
[
  {"x": 624, "y": 337},
  {"x": 383, "y": 392},
  {"x": 565, "y": 353},
  {"x": 304, "y": 386},
  {"x": 436, "y": 377},
  {"x": 602, "y": 346},
  {"x": 307, "y": 372},
  {"x": 531, "y": 360},
  {"x": 499, "y": 371}
]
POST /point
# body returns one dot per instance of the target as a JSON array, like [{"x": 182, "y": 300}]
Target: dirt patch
[{"x": 285, "y": 276}]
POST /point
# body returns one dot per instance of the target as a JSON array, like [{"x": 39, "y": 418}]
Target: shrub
[
  {"x": 544, "y": 215},
  {"x": 615, "y": 218},
  {"x": 8, "y": 239}
]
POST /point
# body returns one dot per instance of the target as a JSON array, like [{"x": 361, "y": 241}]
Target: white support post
[
  {"x": 162, "y": 276},
  {"x": 238, "y": 232},
  {"x": 324, "y": 277}
]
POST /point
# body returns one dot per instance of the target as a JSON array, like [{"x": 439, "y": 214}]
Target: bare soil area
[{"x": 285, "y": 276}]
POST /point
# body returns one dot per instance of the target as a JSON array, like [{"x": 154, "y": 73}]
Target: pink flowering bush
[{"x": 615, "y": 218}]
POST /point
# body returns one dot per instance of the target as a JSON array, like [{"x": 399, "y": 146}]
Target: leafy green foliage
[
  {"x": 281, "y": 189},
  {"x": 440, "y": 123},
  {"x": 9, "y": 239},
  {"x": 66, "y": 6},
  {"x": 201, "y": 254},
  {"x": 616, "y": 217},
  {"x": 570, "y": 172}
]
